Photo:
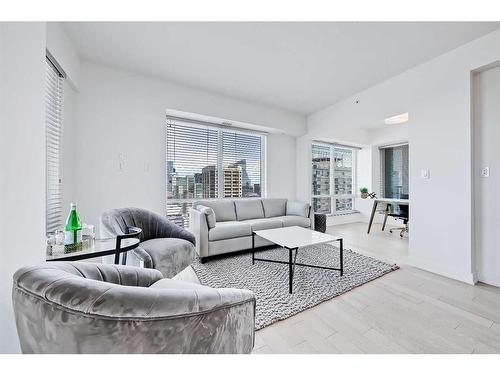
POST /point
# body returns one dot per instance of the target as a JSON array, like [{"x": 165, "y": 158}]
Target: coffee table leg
[
  {"x": 341, "y": 257},
  {"x": 253, "y": 248},
  {"x": 290, "y": 271}
]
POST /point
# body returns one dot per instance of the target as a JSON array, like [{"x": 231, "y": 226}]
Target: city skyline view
[{"x": 237, "y": 182}]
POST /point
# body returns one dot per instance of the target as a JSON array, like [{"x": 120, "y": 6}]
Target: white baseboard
[
  {"x": 468, "y": 278},
  {"x": 490, "y": 279}
]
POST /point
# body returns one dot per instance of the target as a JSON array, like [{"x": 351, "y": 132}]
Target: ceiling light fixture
[{"x": 398, "y": 119}]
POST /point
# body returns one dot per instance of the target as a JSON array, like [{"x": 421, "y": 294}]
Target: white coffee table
[{"x": 292, "y": 238}]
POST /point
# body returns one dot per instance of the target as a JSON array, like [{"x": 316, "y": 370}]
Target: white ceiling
[{"x": 298, "y": 66}]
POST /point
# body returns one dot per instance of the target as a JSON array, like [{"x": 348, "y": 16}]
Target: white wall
[
  {"x": 281, "y": 166},
  {"x": 487, "y": 154},
  {"x": 22, "y": 161},
  {"x": 389, "y": 134},
  {"x": 61, "y": 47},
  {"x": 122, "y": 112},
  {"x": 438, "y": 96}
]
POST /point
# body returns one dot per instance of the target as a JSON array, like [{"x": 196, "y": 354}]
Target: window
[
  {"x": 53, "y": 135},
  {"x": 394, "y": 171},
  {"x": 332, "y": 178},
  {"x": 210, "y": 162}
]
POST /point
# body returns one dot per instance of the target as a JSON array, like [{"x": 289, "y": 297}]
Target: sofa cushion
[
  {"x": 274, "y": 207},
  {"x": 223, "y": 208},
  {"x": 260, "y": 224},
  {"x": 297, "y": 209},
  {"x": 290, "y": 221},
  {"x": 248, "y": 209},
  {"x": 209, "y": 214},
  {"x": 229, "y": 229}
]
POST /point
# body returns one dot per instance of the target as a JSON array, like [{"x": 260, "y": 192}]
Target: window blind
[
  {"x": 53, "y": 136},
  {"x": 209, "y": 162}
]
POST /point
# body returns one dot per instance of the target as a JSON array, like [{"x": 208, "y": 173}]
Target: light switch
[
  {"x": 485, "y": 172},
  {"x": 424, "y": 173},
  {"x": 121, "y": 161}
]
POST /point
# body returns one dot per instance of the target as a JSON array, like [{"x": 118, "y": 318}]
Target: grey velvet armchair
[
  {"x": 79, "y": 307},
  {"x": 164, "y": 245}
]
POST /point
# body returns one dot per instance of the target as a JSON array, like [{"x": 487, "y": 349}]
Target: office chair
[{"x": 402, "y": 213}]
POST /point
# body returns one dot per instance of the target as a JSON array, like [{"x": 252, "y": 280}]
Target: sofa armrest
[
  {"x": 298, "y": 209},
  {"x": 143, "y": 256},
  {"x": 166, "y": 229},
  {"x": 199, "y": 226}
]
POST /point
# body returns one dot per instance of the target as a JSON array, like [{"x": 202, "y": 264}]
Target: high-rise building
[
  {"x": 170, "y": 179},
  {"x": 233, "y": 186},
  {"x": 190, "y": 184},
  {"x": 256, "y": 190},
  {"x": 321, "y": 183},
  {"x": 209, "y": 181},
  {"x": 198, "y": 190},
  {"x": 321, "y": 175},
  {"x": 198, "y": 178},
  {"x": 181, "y": 187},
  {"x": 232, "y": 181},
  {"x": 247, "y": 188}
]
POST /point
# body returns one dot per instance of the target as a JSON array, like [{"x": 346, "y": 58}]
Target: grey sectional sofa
[{"x": 224, "y": 225}]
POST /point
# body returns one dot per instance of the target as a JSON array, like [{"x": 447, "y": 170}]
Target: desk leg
[
  {"x": 372, "y": 215},
  {"x": 385, "y": 217}
]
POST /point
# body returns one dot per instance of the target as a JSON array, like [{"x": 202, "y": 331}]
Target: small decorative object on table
[
  {"x": 320, "y": 222},
  {"x": 364, "y": 192},
  {"x": 88, "y": 236}
]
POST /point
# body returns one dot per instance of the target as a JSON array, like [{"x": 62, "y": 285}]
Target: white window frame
[{"x": 332, "y": 196}]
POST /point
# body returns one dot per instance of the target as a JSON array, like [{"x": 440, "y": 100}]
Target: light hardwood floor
[{"x": 406, "y": 311}]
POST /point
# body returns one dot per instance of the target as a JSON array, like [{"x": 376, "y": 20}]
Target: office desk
[{"x": 376, "y": 201}]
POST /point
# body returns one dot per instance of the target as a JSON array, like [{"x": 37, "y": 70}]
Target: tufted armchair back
[
  {"x": 79, "y": 307},
  {"x": 115, "y": 221}
]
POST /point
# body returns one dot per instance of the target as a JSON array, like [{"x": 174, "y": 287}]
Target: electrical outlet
[
  {"x": 485, "y": 172},
  {"x": 424, "y": 173}
]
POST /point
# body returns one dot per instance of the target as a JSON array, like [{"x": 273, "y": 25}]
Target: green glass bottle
[{"x": 73, "y": 228}]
